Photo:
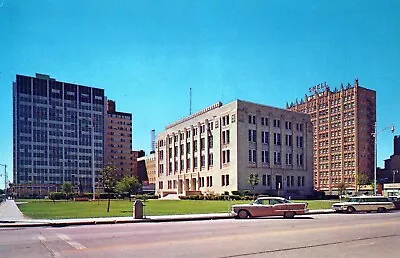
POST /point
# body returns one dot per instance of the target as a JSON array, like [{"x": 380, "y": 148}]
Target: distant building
[
  {"x": 118, "y": 139},
  {"x": 217, "y": 149},
  {"x": 135, "y": 165},
  {"x": 147, "y": 169},
  {"x": 58, "y": 133},
  {"x": 343, "y": 121},
  {"x": 391, "y": 172}
]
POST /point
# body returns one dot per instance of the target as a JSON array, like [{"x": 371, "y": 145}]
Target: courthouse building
[{"x": 217, "y": 149}]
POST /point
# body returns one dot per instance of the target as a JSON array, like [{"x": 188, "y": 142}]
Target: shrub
[
  {"x": 235, "y": 193},
  {"x": 57, "y": 196},
  {"x": 247, "y": 193},
  {"x": 235, "y": 197}
]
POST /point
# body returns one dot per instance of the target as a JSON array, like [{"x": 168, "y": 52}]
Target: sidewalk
[
  {"x": 9, "y": 211},
  {"x": 11, "y": 216}
]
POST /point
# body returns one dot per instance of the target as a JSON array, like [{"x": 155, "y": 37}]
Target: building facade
[
  {"x": 136, "y": 154},
  {"x": 147, "y": 169},
  {"x": 118, "y": 147},
  {"x": 343, "y": 121},
  {"x": 391, "y": 172},
  {"x": 58, "y": 132},
  {"x": 217, "y": 149}
]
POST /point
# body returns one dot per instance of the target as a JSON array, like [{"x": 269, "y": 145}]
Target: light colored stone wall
[{"x": 238, "y": 168}]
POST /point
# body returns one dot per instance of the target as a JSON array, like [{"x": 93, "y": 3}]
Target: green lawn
[{"x": 46, "y": 209}]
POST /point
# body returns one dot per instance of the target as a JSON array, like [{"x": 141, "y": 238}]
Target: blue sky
[{"x": 147, "y": 54}]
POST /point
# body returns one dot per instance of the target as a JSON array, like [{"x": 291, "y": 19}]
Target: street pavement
[
  {"x": 9, "y": 211},
  {"x": 333, "y": 235}
]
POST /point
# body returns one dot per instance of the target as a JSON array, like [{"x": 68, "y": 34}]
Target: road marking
[
  {"x": 71, "y": 242},
  {"x": 42, "y": 239}
]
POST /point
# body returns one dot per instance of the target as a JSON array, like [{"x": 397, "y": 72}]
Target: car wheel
[
  {"x": 350, "y": 209},
  {"x": 381, "y": 210},
  {"x": 289, "y": 214},
  {"x": 243, "y": 214}
]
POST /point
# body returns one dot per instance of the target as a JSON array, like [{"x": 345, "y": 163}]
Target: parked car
[
  {"x": 269, "y": 206},
  {"x": 364, "y": 203},
  {"x": 396, "y": 201}
]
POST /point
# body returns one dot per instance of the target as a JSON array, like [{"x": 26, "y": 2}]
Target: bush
[
  {"x": 247, "y": 193},
  {"x": 235, "y": 197},
  {"x": 57, "y": 196},
  {"x": 235, "y": 193},
  {"x": 144, "y": 196}
]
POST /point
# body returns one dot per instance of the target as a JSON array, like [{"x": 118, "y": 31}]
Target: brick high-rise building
[
  {"x": 58, "y": 131},
  {"x": 343, "y": 121},
  {"x": 118, "y": 143}
]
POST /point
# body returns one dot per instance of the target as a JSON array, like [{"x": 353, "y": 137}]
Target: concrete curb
[{"x": 150, "y": 219}]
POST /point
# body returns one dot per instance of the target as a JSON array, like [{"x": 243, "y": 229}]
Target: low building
[{"x": 217, "y": 149}]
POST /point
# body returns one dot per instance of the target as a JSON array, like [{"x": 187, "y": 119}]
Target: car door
[{"x": 262, "y": 208}]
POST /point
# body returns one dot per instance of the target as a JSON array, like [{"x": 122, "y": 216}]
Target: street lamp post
[
  {"x": 395, "y": 171},
  {"x": 5, "y": 178},
  {"x": 375, "y": 135}
]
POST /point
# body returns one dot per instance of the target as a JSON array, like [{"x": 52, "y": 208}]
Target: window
[
  {"x": 226, "y": 179},
  {"x": 299, "y": 181},
  {"x": 211, "y": 159},
  {"x": 252, "y": 119},
  {"x": 292, "y": 180},
  {"x": 302, "y": 180},
  {"x": 288, "y": 125},
  {"x": 225, "y": 137},
  {"x": 209, "y": 181},
  {"x": 299, "y": 127},
  {"x": 188, "y": 147},
  {"x": 203, "y": 161},
  {"x": 182, "y": 165},
  {"x": 182, "y": 149},
  {"x": 299, "y": 141},
  {"x": 202, "y": 143},
  {"x": 223, "y": 180},
  {"x": 268, "y": 180},
  {"x": 289, "y": 159},
  {"x": 265, "y": 137},
  {"x": 277, "y": 123},
  {"x": 299, "y": 159},
  {"x": 264, "y": 156},
  {"x": 195, "y": 162},
  {"x": 277, "y": 138},
  {"x": 187, "y": 164},
  {"x": 210, "y": 142},
  {"x": 252, "y": 136},
  {"x": 225, "y": 120},
  {"x": 264, "y": 121},
  {"x": 226, "y": 156},
  {"x": 277, "y": 157},
  {"x": 195, "y": 146},
  {"x": 289, "y": 140},
  {"x": 252, "y": 155},
  {"x": 288, "y": 181}
]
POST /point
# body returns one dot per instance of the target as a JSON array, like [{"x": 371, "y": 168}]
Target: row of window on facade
[
  {"x": 276, "y": 123},
  {"x": 225, "y": 159},
  {"x": 277, "y": 157},
  {"x": 277, "y": 138}
]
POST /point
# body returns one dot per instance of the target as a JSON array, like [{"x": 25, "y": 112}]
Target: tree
[
  {"x": 108, "y": 180},
  {"x": 253, "y": 181},
  {"x": 341, "y": 188},
  {"x": 68, "y": 189},
  {"x": 129, "y": 185},
  {"x": 362, "y": 179}
]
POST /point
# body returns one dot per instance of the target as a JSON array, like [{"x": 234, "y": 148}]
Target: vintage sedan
[{"x": 269, "y": 206}]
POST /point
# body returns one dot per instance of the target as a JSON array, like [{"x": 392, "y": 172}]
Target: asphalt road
[{"x": 333, "y": 235}]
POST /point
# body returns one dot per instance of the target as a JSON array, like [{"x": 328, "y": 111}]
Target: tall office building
[
  {"x": 58, "y": 130},
  {"x": 343, "y": 121},
  {"x": 118, "y": 147},
  {"x": 218, "y": 148}
]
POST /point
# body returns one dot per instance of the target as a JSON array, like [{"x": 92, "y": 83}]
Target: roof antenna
[{"x": 190, "y": 103}]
